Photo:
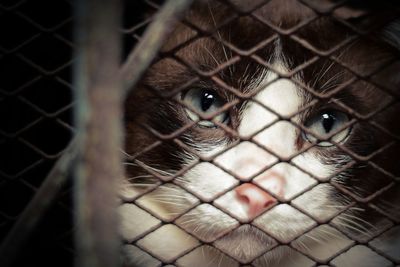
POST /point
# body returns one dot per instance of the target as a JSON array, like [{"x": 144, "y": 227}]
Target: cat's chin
[{"x": 245, "y": 243}]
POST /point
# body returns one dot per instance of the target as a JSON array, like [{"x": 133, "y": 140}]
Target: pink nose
[{"x": 256, "y": 199}]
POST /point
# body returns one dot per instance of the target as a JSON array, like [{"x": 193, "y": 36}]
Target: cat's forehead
[
  {"x": 283, "y": 13},
  {"x": 245, "y": 30},
  {"x": 212, "y": 36}
]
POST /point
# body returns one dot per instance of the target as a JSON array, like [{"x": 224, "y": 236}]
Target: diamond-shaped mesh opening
[
  {"x": 61, "y": 11},
  {"x": 23, "y": 115},
  {"x": 55, "y": 90},
  {"x": 264, "y": 133},
  {"x": 25, "y": 29},
  {"x": 16, "y": 157},
  {"x": 47, "y": 52},
  {"x": 11, "y": 65},
  {"x": 43, "y": 144}
]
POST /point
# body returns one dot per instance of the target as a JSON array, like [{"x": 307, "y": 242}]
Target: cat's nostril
[
  {"x": 254, "y": 199},
  {"x": 244, "y": 199},
  {"x": 267, "y": 204}
]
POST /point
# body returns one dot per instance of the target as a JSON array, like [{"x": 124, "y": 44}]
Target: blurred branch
[
  {"x": 145, "y": 51},
  {"x": 37, "y": 207}
]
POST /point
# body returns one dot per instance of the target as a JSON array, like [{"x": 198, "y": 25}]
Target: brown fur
[{"x": 146, "y": 106}]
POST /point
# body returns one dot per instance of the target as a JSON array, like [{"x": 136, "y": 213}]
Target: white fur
[
  {"x": 207, "y": 180},
  {"x": 247, "y": 159}
]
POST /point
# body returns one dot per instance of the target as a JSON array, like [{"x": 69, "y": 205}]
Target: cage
[{"x": 251, "y": 133}]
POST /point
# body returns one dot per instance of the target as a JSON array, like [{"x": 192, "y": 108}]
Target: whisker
[
  {"x": 354, "y": 226},
  {"x": 125, "y": 153},
  {"x": 168, "y": 202},
  {"x": 212, "y": 55},
  {"x": 139, "y": 177},
  {"x": 355, "y": 218},
  {"x": 171, "y": 197},
  {"x": 314, "y": 238},
  {"x": 142, "y": 185},
  {"x": 220, "y": 37}
]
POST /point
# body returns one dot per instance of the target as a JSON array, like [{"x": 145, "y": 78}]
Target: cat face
[{"x": 259, "y": 151}]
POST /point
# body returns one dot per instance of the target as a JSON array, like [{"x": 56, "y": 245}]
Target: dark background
[{"x": 36, "y": 114}]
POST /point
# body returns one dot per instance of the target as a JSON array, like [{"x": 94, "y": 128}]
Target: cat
[{"x": 244, "y": 145}]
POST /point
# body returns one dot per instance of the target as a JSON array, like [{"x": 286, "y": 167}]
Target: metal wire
[
  {"x": 252, "y": 53},
  {"x": 44, "y": 74}
]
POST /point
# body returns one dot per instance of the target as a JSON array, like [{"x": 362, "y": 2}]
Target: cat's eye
[
  {"x": 326, "y": 123},
  {"x": 204, "y": 101}
]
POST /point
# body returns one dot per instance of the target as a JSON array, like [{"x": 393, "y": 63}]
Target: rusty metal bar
[
  {"x": 34, "y": 211},
  {"x": 98, "y": 118},
  {"x": 146, "y": 50}
]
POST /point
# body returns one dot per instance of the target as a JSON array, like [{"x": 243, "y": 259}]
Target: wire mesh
[
  {"x": 35, "y": 107},
  {"x": 211, "y": 51},
  {"x": 40, "y": 52}
]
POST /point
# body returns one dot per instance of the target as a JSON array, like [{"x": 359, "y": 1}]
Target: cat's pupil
[
  {"x": 207, "y": 100},
  {"x": 327, "y": 122}
]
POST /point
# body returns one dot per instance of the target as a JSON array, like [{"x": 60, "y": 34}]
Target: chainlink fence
[
  {"x": 36, "y": 106},
  {"x": 37, "y": 60}
]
